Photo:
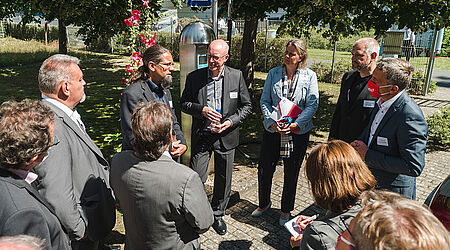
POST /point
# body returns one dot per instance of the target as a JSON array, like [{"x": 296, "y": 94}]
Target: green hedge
[
  {"x": 323, "y": 71},
  {"x": 417, "y": 85},
  {"x": 275, "y": 49},
  {"x": 30, "y": 31},
  {"x": 439, "y": 128}
]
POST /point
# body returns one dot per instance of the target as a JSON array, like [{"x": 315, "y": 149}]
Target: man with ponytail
[{"x": 151, "y": 82}]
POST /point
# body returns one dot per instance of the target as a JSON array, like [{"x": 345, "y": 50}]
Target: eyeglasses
[
  {"x": 216, "y": 58},
  {"x": 166, "y": 65}
]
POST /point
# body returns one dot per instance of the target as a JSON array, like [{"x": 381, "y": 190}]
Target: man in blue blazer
[{"x": 393, "y": 144}]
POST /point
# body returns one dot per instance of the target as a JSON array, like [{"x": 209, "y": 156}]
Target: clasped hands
[
  {"x": 215, "y": 117},
  {"x": 285, "y": 128}
]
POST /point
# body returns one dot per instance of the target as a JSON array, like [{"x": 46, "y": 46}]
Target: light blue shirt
[{"x": 306, "y": 97}]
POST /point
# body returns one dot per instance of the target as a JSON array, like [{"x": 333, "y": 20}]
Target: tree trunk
[
  {"x": 248, "y": 49},
  {"x": 62, "y": 37}
]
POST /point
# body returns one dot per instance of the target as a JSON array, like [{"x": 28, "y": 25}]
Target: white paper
[
  {"x": 290, "y": 227},
  {"x": 285, "y": 106},
  {"x": 275, "y": 115}
]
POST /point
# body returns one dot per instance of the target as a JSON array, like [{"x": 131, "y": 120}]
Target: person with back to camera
[
  {"x": 337, "y": 176},
  {"x": 163, "y": 202},
  {"x": 390, "y": 221},
  {"x": 294, "y": 81}
]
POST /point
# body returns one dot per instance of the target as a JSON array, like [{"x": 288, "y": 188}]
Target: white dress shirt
[
  {"x": 383, "y": 108},
  {"x": 28, "y": 176},
  {"x": 72, "y": 113}
]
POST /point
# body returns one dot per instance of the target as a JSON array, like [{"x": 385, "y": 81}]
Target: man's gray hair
[
  {"x": 54, "y": 70},
  {"x": 370, "y": 44},
  {"x": 398, "y": 71},
  {"x": 13, "y": 242}
]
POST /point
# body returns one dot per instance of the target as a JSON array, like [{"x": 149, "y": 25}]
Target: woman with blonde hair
[
  {"x": 337, "y": 176},
  {"x": 295, "y": 82}
]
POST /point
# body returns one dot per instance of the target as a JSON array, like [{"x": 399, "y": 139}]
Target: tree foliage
[
  {"x": 339, "y": 18},
  {"x": 251, "y": 11},
  {"x": 97, "y": 18}
]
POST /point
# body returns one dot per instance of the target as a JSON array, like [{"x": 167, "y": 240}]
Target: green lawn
[
  {"x": 440, "y": 63},
  {"x": 20, "y": 62}
]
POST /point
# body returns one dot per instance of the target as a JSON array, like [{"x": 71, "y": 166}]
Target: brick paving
[{"x": 245, "y": 232}]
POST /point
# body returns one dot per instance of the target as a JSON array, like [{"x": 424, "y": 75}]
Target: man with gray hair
[
  {"x": 393, "y": 144},
  {"x": 355, "y": 103},
  {"x": 21, "y": 242},
  {"x": 74, "y": 178}
]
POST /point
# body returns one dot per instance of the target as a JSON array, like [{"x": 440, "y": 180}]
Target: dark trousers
[
  {"x": 268, "y": 159},
  {"x": 223, "y": 168},
  {"x": 85, "y": 244}
]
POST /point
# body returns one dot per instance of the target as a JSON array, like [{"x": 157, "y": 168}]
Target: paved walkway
[{"x": 245, "y": 232}]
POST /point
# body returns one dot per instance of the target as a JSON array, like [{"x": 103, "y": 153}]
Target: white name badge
[
  {"x": 233, "y": 95},
  {"x": 369, "y": 104},
  {"x": 170, "y": 104},
  {"x": 382, "y": 141},
  {"x": 303, "y": 77}
]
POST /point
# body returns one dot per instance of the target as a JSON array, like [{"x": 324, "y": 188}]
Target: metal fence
[{"x": 418, "y": 53}]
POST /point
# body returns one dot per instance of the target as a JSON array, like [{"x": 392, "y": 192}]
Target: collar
[
  {"x": 155, "y": 88},
  {"x": 69, "y": 112},
  {"x": 166, "y": 153},
  {"x": 385, "y": 105},
  {"x": 221, "y": 75},
  {"x": 28, "y": 176}
]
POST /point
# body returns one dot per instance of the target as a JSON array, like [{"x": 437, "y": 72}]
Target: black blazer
[
  {"x": 236, "y": 103},
  {"x": 350, "y": 119},
  {"x": 24, "y": 211},
  {"x": 140, "y": 92}
]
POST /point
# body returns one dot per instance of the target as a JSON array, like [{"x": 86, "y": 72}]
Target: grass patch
[{"x": 103, "y": 72}]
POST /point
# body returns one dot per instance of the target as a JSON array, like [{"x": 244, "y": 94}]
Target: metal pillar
[
  {"x": 431, "y": 61},
  {"x": 230, "y": 31},
  {"x": 214, "y": 17},
  {"x": 265, "y": 45},
  {"x": 333, "y": 62}
]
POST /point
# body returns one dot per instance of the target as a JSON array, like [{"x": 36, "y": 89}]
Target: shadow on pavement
[
  {"x": 277, "y": 238},
  {"x": 235, "y": 244}
]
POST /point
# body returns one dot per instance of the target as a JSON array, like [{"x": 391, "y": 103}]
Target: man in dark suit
[
  {"x": 393, "y": 144},
  {"x": 151, "y": 82},
  {"x": 163, "y": 202},
  {"x": 218, "y": 100},
  {"x": 26, "y": 134},
  {"x": 75, "y": 177},
  {"x": 355, "y": 103}
]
